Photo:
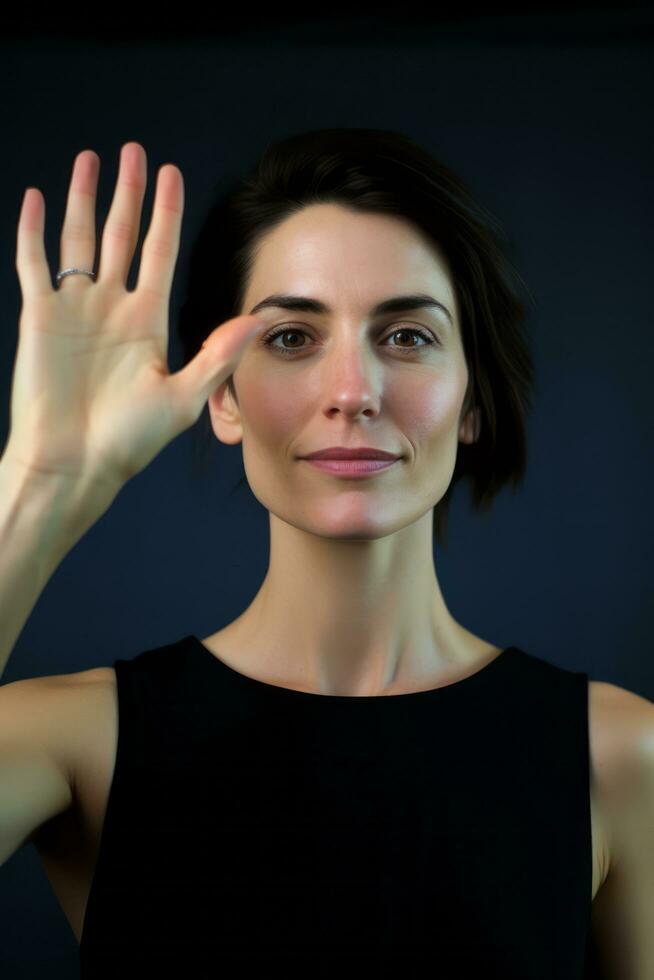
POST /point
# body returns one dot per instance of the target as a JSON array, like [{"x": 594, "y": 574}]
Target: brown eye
[
  {"x": 413, "y": 330},
  {"x": 428, "y": 338},
  {"x": 283, "y": 331}
]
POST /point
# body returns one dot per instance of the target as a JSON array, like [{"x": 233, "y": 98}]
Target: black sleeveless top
[{"x": 442, "y": 833}]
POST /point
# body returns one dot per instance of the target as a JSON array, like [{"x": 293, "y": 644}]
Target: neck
[{"x": 354, "y": 617}]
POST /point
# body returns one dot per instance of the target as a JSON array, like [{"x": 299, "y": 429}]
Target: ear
[
  {"x": 225, "y": 415},
  {"x": 470, "y": 426}
]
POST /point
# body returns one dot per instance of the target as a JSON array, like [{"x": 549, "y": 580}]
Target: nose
[{"x": 351, "y": 383}]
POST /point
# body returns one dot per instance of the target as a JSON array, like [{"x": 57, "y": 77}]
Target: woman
[{"x": 345, "y": 772}]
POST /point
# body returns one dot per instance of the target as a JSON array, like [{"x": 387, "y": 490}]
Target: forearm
[{"x": 41, "y": 520}]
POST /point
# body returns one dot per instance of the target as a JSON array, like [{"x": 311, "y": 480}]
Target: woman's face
[{"x": 349, "y": 378}]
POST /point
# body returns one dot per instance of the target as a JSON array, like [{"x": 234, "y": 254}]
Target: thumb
[{"x": 215, "y": 361}]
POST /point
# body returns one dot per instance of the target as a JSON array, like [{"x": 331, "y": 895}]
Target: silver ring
[{"x": 70, "y": 272}]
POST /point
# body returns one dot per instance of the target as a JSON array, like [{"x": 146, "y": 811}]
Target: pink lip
[{"x": 351, "y": 467}]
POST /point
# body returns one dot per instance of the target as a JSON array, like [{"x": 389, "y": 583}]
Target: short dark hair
[{"x": 383, "y": 172}]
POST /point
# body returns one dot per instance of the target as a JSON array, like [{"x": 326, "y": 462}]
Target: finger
[
  {"x": 213, "y": 364},
  {"x": 31, "y": 260},
  {"x": 161, "y": 244},
  {"x": 77, "y": 243},
  {"x": 121, "y": 230}
]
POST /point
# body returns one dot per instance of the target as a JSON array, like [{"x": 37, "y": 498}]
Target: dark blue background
[{"x": 548, "y": 118}]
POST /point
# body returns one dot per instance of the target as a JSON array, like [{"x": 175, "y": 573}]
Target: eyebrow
[{"x": 396, "y": 304}]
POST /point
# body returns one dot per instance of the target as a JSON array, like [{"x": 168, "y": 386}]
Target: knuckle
[
  {"x": 122, "y": 231},
  {"x": 133, "y": 182},
  {"x": 160, "y": 247},
  {"x": 76, "y": 231},
  {"x": 171, "y": 209},
  {"x": 27, "y": 257},
  {"x": 152, "y": 295}
]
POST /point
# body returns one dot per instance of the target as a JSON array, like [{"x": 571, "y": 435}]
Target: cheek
[
  {"x": 430, "y": 407},
  {"x": 269, "y": 409}
]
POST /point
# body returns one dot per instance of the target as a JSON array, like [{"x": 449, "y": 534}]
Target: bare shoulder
[
  {"x": 62, "y": 682},
  {"x": 89, "y": 695},
  {"x": 49, "y": 727},
  {"x": 621, "y": 699},
  {"x": 56, "y": 693},
  {"x": 56, "y": 712},
  {"x": 621, "y": 721},
  {"x": 621, "y": 725},
  {"x": 105, "y": 675}
]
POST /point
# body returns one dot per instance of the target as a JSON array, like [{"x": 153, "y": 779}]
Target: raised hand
[{"x": 92, "y": 397}]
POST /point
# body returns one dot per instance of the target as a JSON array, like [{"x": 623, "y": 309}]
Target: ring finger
[{"x": 77, "y": 244}]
